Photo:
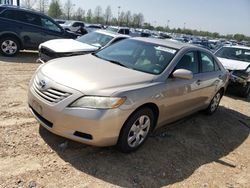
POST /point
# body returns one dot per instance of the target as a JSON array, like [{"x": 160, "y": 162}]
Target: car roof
[
  {"x": 164, "y": 42},
  {"x": 110, "y": 33},
  {"x": 237, "y": 46},
  {"x": 13, "y": 7}
]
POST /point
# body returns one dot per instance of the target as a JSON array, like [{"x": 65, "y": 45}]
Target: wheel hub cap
[
  {"x": 9, "y": 47},
  {"x": 139, "y": 131}
]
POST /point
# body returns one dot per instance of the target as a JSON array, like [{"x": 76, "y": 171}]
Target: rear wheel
[
  {"x": 136, "y": 130},
  {"x": 213, "y": 106},
  {"x": 9, "y": 46}
]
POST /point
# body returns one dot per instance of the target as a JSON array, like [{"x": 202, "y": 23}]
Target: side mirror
[{"x": 183, "y": 74}]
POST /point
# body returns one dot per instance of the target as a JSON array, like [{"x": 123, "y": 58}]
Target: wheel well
[
  {"x": 13, "y": 36},
  {"x": 222, "y": 90},
  {"x": 154, "y": 109}
]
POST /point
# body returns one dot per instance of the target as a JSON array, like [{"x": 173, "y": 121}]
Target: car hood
[
  {"x": 68, "y": 45},
  {"x": 233, "y": 64},
  {"x": 92, "y": 75}
]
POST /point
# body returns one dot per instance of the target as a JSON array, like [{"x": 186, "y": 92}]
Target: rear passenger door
[{"x": 210, "y": 75}]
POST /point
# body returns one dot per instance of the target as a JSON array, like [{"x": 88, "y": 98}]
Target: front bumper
[{"x": 89, "y": 126}]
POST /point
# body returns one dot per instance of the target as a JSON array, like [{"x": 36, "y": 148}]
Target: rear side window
[
  {"x": 9, "y": 14},
  {"x": 28, "y": 18},
  {"x": 208, "y": 63},
  {"x": 1, "y": 9},
  {"x": 22, "y": 16}
]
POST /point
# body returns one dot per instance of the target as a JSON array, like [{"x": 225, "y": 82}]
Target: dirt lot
[{"x": 198, "y": 151}]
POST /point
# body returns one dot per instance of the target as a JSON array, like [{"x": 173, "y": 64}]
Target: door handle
[{"x": 220, "y": 76}]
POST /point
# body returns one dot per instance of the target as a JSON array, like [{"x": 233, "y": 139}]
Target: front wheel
[
  {"x": 9, "y": 46},
  {"x": 136, "y": 130},
  {"x": 214, "y": 104}
]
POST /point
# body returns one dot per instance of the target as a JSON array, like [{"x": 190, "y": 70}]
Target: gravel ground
[{"x": 198, "y": 151}]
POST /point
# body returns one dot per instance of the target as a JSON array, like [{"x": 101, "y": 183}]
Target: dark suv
[{"x": 25, "y": 29}]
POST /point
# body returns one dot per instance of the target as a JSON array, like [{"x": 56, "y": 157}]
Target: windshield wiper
[{"x": 116, "y": 62}]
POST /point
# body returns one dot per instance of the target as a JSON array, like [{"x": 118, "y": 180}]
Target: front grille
[{"x": 51, "y": 95}]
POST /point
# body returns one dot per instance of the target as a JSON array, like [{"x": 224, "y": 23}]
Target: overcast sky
[{"x": 223, "y": 16}]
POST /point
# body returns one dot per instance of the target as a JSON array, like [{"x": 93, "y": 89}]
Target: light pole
[
  {"x": 184, "y": 25},
  {"x": 168, "y": 24},
  {"x": 118, "y": 23}
]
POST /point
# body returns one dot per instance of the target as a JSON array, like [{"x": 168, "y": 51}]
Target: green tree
[
  {"x": 108, "y": 15},
  {"x": 89, "y": 16},
  {"x": 55, "y": 9}
]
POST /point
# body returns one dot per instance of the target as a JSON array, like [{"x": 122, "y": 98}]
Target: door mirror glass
[{"x": 183, "y": 74}]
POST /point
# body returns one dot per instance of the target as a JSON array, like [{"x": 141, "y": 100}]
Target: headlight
[{"x": 98, "y": 102}]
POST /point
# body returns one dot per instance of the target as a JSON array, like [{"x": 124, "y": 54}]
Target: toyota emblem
[{"x": 42, "y": 84}]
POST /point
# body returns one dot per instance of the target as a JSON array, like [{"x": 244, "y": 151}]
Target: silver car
[{"x": 120, "y": 94}]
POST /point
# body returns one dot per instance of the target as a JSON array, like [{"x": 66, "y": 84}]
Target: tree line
[{"x": 68, "y": 11}]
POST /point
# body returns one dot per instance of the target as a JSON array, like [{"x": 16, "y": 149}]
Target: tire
[
  {"x": 246, "y": 91},
  {"x": 136, "y": 130},
  {"x": 9, "y": 46},
  {"x": 214, "y": 104}
]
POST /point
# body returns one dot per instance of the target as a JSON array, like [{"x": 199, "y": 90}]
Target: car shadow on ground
[
  {"x": 170, "y": 155},
  {"x": 22, "y": 57}
]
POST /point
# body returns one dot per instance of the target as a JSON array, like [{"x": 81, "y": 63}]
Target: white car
[
  {"x": 236, "y": 59},
  {"x": 72, "y": 25},
  {"x": 85, "y": 44}
]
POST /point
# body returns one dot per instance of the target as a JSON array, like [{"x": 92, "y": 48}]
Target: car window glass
[
  {"x": 95, "y": 39},
  {"x": 126, "y": 32},
  {"x": 190, "y": 62},
  {"x": 46, "y": 23},
  {"x": 207, "y": 63},
  {"x": 138, "y": 55},
  {"x": 10, "y": 14},
  {"x": 28, "y": 18},
  {"x": 216, "y": 66}
]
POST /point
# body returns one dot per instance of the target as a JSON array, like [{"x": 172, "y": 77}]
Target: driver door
[{"x": 182, "y": 97}]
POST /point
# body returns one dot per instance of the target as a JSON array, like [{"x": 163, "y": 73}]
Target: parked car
[
  {"x": 123, "y": 92},
  {"x": 88, "y": 43},
  {"x": 73, "y": 26},
  {"x": 93, "y": 27},
  {"x": 237, "y": 60},
  {"x": 25, "y": 29},
  {"x": 59, "y": 21},
  {"x": 121, "y": 30}
]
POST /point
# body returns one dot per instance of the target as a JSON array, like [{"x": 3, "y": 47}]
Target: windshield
[
  {"x": 238, "y": 54},
  {"x": 95, "y": 39},
  {"x": 146, "y": 57}
]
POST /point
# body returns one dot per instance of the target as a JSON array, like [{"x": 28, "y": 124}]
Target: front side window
[
  {"x": 234, "y": 53},
  {"x": 138, "y": 55},
  {"x": 190, "y": 62},
  {"x": 207, "y": 63},
  {"x": 46, "y": 23},
  {"x": 95, "y": 39}
]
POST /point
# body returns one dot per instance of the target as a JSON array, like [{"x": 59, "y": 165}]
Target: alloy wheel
[
  {"x": 215, "y": 102},
  {"x": 138, "y": 131},
  {"x": 9, "y": 47}
]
